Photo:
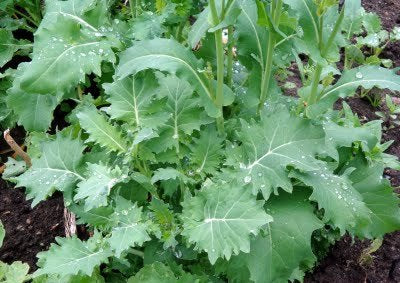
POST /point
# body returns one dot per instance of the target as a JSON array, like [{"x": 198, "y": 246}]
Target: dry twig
[{"x": 18, "y": 150}]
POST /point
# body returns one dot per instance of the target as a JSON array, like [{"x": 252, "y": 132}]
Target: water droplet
[
  {"x": 124, "y": 212},
  {"x": 359, "y": 75},
  {"x": 247, "y": 179},
  {"x": 175, "y": 136}
]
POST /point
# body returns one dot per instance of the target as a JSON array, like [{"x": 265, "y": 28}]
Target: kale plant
[{"x": 182, "y": 156}]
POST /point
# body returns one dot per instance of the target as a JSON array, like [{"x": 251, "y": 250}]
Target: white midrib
[
  {"x": 358, "y": 83},
  {"x": 105, "y": 133},
  {"x": 135, "y": 108},
  {"x": 313, "y": 21},
  {"x": 204, "y": 159},
  {"x": 204, "y": 87},
  {"x": 60, "y": 56},
  {"x": 78, "y": 19}
]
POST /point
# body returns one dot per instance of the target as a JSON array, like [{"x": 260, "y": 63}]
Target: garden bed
[{"x": 32, "y": 230}]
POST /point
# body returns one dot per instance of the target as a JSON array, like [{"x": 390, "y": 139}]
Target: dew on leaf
[
  {"x": 247, "y": 179},
  {"x": 359, "y": 75}
]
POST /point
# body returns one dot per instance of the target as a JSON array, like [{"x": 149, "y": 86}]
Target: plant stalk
[
  {"x": 219, "y": 97},
  {"x": 276, "y": 11},
  {"x": 314, "y": 87},
  {"x": 134, "y": 8},
  {"x": 335, "y": 31},
  {"x": 231, "y": 44},
  {"x": 313, "y": 98}
]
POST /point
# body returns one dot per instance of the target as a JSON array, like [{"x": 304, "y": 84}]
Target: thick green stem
[
  {"x": 219, "y": 97},
  {"x": 266, "y": 78},
  {"x": 335, "y": 31},
  {"x": 136, "y": 252},
  {"x": 134, "y": 5},
  {"x": 313, "y": 98},
  {"x": 314, "y": 87},
  {"x": 276, "y": 11},
  {"x": 231, "y": 43},
  {"x": 179, "y": 31}
]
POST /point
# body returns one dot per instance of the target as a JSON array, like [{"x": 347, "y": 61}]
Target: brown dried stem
[{"x": 18, "y": 150}]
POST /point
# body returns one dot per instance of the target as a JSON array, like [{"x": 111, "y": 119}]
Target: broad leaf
[
  {"x": 130, "y": 229},
  {"x": 58, "y": 168},
  {"x": 101, "y": 130},
  {"x": 62, "y": 55},
  {"x": 378, "y": 196},
  {"x": 269, "y": 147},
  {"x": 96, "y": 188},
  {"x": 220, "y": 220},
  {"x": 70, "y": 256},
  {"x": 286, "y": 246},
  {"x": 168, "y": 55},
  {"x": 9, "y": 45},
  {"x": 342, "y": 203},
  {"x": 365, "y": 76},
  {"x": 34, "y": 111}
]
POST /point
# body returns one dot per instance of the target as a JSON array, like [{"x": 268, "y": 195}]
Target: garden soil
[{"x": 29, "y": 231}]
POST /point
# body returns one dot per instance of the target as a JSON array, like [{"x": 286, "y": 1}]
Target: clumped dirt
[{"x": 28, "y": 231}]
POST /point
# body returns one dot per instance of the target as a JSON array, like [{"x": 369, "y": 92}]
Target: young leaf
[
  {"x": 220, "y": 220},
  {"x": 184, "y": 112},
  {"x": 13, "y": 168},
  {"x": 59, "y": 167},
  {"x": 168, "y": 55},
  {"x": 207, "y": 152},
  {"x": 280, "y": 140},
  {"x": 156, "y": 272},
  {"x": 70, "y": 256},
  {"x": 129, "y": 230},
  {"x": 286, "y": 247},
  {"x": 100, "y": 130},
  {"x": 96, "y": 188},
  {"x": 132, "y": 101},
  {"x": 14, "y": 273}
]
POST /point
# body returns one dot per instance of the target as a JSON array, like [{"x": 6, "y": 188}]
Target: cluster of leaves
[{"x": 182, "y": 155}]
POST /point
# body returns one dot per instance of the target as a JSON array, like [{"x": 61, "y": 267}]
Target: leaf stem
[
  {"x": 231, "y": 44},
  {"x": 314, "y": 87},
  {"x": 134, "y": 8},
  {"x": 335, "y": 31},
  {"x": 136, "y": 252},
  {"x": 219, "y": 97},
  {"x": 276, "y": 11},
  {"x": 314, "y": 97}
]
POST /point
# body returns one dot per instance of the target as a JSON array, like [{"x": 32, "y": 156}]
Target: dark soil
[
  {"x": 28, "y": 231},
  {"x": 389, "y": 12}
]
